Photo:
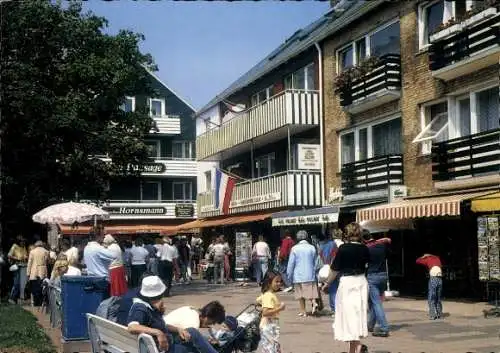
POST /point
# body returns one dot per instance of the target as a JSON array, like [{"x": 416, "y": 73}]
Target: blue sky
[{"x": 202, "y": 47}]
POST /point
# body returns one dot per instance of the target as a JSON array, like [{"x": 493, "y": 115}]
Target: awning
[
  {"x": 121, "y": 229},
  {"x": 486, "y": 203},
  {"x": 320, "y": 215},
  {"x": 432, "y": 206},
  {"x": 224, "y": 221}
]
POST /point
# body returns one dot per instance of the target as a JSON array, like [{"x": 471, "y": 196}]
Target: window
[
  {"x": 154, "y": 148},
  {"x": 364, "y": 142},
  {"x": 487, "y": 103},
  {"x": 182, "y": 149},
  {"x": 262, "y": 96},
  {"x": 182, "y": 190},
  {"x": 434, "y": 13},
  {"x": 208, "y": 180},
  {"x": 384, "y": 40},
  {"x": 435, "y": 121},
  {"x": 151, "y": 190},
  {"x": 129, "y": 104},
  {"x": 157, "y": 107},
  {"x": 265, "y": 165},
  {"x": 303, "y": 78}
]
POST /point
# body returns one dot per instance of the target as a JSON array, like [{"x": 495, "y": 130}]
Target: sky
[{"x": 201, "y": 47}]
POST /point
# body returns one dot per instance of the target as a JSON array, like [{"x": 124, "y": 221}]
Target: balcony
[
  {"x": 286, "y": 189},
  {"x": 467, "y": 161},
  {"x": 165, "y": 167},
  {"x": 151, "y": 209},
  {"x": 371, "y": 175},
  {"x": 466, "y": 47},
  {"x": 166, "y": 125},
  {"x": 294, "y": 108},
  {"x": 380, "y": 85}
]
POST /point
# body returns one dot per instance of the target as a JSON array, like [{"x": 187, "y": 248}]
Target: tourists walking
[
  {"x": 117, "y": 273},
  {"x": 435, "y": 287},
  {"x": 283, "y": 254},
  {"x": 261, "y": 255},
  {"x": 302, "y": 271},
  {"x": 183, "y": 259},
  {"x": 167, "y": 255},
  {"x": 218, "y": 254},
  {"x": 36, "y": 271},
  {"x": 18, "y": 256},
  {"x": 96, "y": 258},
  {"x": 139, "y": 260},
  {"x": 328, "y": 251}
]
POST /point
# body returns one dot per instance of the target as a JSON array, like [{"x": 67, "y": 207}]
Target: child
[
  {"x": 271, "y": 307},
  {"x": 226, "y": 332}
]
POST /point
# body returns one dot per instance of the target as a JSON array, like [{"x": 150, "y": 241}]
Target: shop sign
[
  {"x": 397, "y": 192},
  {"x": 152, "y": 168},
  {"x": 304, "y": 220},
  {"x": 184, "y": 210},
  {"x": 309, "y": 157},
  {"x": 255, "y": 200},
  {"x": 136, "y": 211}
]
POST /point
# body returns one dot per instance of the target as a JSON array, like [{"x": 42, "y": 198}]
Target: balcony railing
[
  {"x": 290, "y": 107},
  {"x": 380, "y": 85},
  {"x": 166, "y": 125},
  {"x": 372, "y": 174},
  {"x": 468, "y": 49},
  {"x": 286, "y": 189},
  {"x": 466, "y": 157},
  {"x": 157, "y": 209}
]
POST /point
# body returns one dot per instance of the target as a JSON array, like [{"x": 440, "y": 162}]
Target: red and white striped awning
[{"x": 433, "y": 206}]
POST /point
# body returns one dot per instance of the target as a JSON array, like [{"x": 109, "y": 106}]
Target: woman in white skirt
[{"x": 351, "y": 301}]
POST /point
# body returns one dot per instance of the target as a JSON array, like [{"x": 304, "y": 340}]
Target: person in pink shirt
[{"x": 433, "y": 265}]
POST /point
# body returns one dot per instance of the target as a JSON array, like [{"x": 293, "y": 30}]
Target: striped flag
[{"x": 224, "y": 185}]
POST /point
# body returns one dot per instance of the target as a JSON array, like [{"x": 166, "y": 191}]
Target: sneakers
[{"x": 380, "y": 333}]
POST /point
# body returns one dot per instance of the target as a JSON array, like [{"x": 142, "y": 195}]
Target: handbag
[{"x": 13, "y": 268}]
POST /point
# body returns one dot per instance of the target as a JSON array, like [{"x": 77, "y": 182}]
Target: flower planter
[
  {"x": 445, "y": 33},
  {"x": 489, "y": 12}
]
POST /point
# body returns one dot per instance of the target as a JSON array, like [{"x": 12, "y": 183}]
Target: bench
[{"x": 108, "y": 336}]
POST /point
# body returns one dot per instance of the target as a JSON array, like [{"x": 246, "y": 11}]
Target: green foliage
[
  {"x": 63, "y": 82},
  {"x": 20, "y": 331}
]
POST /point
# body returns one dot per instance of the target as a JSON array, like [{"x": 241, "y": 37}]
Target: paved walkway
[{"x": 464, "y": 329}]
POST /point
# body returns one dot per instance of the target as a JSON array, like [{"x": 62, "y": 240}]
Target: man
[
  {"x": 97, "y": 258},
  {"x": 284, "y": 253},
  {"x": 302, "y": 271},
  {"x": 433, "y": 265},
  {"x": 196, "y": 250},
  {"x": 377, "y": 283},
  {"x": 218, "y": 254},
  {"x": 328, "y": 251},
  {"x": 183, "y": 259},
  {"x": 167, "y": 254},
  {"x": 261, "y": 255},
  {"x": 187, "y": 316}
]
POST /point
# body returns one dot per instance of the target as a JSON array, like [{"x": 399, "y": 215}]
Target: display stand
[
  {"x": 243, "y": 255},
  {"x": 493, "y": 292}
]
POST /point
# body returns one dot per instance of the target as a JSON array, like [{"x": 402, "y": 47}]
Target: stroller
[{"x": 247, "y": 336}]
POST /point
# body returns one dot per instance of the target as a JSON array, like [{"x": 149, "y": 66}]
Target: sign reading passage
[
  {"x": 153, "y": 168},
  {"x": 309, "y": 157},
  {"x": 184, "y": 210},
  {"x": 136, "y": 211}
]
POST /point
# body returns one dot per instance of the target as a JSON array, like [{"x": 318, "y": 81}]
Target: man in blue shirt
[{"x": 97, "y": 259}]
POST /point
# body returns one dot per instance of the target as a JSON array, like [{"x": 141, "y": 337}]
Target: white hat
[
  {"x": 108, "y": 239},
  {"x": 152, "y": 287}
]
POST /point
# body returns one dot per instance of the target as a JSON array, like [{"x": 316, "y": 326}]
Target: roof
[{"x": 298, "y": 42}]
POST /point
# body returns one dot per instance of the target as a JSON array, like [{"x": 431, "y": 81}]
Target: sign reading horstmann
[{"x": 136, "y": 211}]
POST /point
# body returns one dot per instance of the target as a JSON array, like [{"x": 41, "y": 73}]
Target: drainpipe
[{"x": 321, "y": 122}]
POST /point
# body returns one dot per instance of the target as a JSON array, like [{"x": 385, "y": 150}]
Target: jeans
[
  {"x": 377, "y": 283},
  {"x": 260, "y": 268},
  {"x": 16, "y": 285},
  {"x": 197, "y": 343},
  {"x": 434, "y": 297},
  {"x": 153, "y": 266},
  {"x": 332, "y": 292},
  {"x": 284, "y": 276},
  {"x": 219, "y": 271}
]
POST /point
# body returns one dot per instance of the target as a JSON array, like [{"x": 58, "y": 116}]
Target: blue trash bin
[{"x": 80, "y": 295}]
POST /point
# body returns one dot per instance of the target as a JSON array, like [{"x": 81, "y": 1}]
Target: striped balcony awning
[{"x": 432, "y": 206}]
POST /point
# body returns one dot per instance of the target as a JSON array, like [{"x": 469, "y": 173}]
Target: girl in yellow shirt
[{"x": 271, "y": 307}]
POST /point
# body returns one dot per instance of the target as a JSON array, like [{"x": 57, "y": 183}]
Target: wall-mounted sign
[
  {"x": 153, "y": 168},
  {"x": 300, "y": 220},
  {"x": 397, "y": 192},
  {"x": 136, "y": 211},
  {"x": 184, "y": 210},
  {"x": 255, "y": 200},
  {"x": 309, "y": 157},
  {"x": 335, "y": 196}
]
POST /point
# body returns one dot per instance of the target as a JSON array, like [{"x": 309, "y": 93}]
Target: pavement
[{"x": 463, "y": 329}]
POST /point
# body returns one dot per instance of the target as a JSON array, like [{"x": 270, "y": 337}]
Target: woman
[
  {"x": 351, "y": 302},
  {"x": 37, "y": 271},
  {"x": 18, "y": 255},
  {"x": 227, "y": 262},
  {"x": 60, "y": 269},
  {"x": 117, "y": 273}
]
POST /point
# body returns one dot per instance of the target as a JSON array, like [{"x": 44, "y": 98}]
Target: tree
[{"x": 62, "y": 84}]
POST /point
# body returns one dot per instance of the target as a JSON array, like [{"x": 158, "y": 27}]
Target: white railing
[
  {"x": 166, "y": 125},
  {"x": 290, "y": 107},
  {"x": 290, "y": 188}
]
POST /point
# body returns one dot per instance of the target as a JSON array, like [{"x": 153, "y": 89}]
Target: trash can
[{"x": 80, "y": 295}]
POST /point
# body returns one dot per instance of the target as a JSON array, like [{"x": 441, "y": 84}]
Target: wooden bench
[{"x": 107, "y": 336}]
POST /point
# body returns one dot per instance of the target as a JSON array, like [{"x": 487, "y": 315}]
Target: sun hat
[
  {"x": 231, "y": 322},
  {"x": 108, "y": 239},
  {"x": 152, "y": 287},
  {"x": 301, "y": 235}
]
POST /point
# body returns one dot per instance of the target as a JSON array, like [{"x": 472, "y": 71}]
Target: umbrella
[{"x": 69, "y": 213}]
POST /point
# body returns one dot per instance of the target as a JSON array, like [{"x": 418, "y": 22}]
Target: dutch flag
[{"x": 224, "y": 185}]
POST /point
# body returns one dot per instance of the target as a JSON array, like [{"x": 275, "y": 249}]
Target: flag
[{"x": 224, "y": 185}]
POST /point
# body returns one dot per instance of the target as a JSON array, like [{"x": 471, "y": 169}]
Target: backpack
[{"x": 108, "y": 309}]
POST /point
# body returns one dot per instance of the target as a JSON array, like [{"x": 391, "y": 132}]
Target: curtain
[
  {"x": 387, "y": 138},
  {"x": 488, "y": 109}
]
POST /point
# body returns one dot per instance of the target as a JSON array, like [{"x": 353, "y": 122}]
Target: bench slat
[{"x": 114, "y": 338}]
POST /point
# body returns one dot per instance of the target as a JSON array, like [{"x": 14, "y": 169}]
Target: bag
[
  {"x": 108, "y": 309},
  {"x": 13, "y": 268},
  {"x": 324, "y": 273}
]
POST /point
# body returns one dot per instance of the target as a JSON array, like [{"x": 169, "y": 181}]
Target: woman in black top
[{"x": 351, "y": 301}]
